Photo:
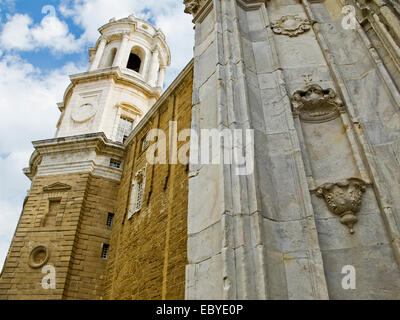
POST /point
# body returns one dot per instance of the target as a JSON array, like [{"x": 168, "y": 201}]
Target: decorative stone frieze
[
  {"x": 343, "y": 198},
  {"x": 291, "y": 25},
  {"x": 315, "y": 104}
]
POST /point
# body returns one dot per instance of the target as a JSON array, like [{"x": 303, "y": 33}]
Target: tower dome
[
  {"x": 133, "y": 45},
  {"x": 124, "y": 79}
]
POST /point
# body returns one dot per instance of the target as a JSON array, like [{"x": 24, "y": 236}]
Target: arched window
[
  {"x": 136, "y": 59},
  {"x": 134, "y": 62}
]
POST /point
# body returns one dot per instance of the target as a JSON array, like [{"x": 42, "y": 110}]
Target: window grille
[
  {"x": 110, "y": 219},
  {"x": 115, "y": 163},
  {"x": 146, "y": 141},
  {"x": 104, "y": 251},
  {"x": 125, "y": 127},
  {"x": 137, "y": 194}
]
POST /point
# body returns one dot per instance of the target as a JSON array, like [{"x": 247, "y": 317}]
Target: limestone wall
[{"x": 324, "y": 109}]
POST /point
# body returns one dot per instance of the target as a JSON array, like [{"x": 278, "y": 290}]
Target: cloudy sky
[{"x": 41, "y": 43}]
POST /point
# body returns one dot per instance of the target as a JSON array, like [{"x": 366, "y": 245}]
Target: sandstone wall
[
  {"x": 148, "y": 251},
  {"x": 73, "y": 234}
]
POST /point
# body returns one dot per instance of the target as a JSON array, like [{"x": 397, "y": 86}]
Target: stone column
[
  {"x": 99, "y": 54},
  {"x": 152, "y": 75},
  {"x": 121, "y": 51},
  {"x": 161, "y": 76},
  {"x": 250, "y": 236}
]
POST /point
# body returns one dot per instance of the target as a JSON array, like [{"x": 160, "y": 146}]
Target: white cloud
[
  {"x": 20, "y": 33},
  {"x": 28, "y": 112},
  {"x": 168, "y": 15}
]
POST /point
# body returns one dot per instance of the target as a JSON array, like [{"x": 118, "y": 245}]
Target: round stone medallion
[
  {"x": 84, "y": 113},
  {"x": 39, "y": 257}
]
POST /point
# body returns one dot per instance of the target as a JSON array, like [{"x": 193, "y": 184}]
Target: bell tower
[
  {"x": 60, "y": 248},
  {"x": 124, "y": 79}
]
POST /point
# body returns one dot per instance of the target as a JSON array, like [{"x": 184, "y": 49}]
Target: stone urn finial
[{"x": 343, "y": 198}]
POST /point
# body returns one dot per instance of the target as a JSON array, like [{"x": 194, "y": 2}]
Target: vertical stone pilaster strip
[{"x": 383, "y": 194}]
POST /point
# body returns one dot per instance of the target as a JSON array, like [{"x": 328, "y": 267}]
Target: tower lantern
[{"x": 125, "y": 77}]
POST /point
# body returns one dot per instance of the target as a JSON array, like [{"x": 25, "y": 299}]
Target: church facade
[{"x": 124, "y": 204}]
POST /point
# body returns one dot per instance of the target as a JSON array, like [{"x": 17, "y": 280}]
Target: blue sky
[{"x": 42, "y": 42}]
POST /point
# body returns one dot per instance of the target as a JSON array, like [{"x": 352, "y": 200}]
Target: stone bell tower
[
  {"x": 124, "y": 79},
  {"x": 60, "y": 247}
]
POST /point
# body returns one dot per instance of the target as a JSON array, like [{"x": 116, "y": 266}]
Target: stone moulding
[
  {"x": 58, "y": 186},
  {"x": 291, "y": 25},
  {"x": 315, "y": 104},
  {"x": 343, "y": 199}
]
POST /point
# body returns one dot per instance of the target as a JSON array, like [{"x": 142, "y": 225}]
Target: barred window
[
  {"x": 139, "y": 197},
  {"x": 115, "y": 163},
  {"x": 146, "y": 141},
  {"x": 104, "y": 251},
  {"x": 110, "y": 219},
  {"x": 138, "y": 186},
  {"x": 125, "y": 127}
]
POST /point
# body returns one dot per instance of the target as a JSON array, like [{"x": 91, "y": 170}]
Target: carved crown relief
[
  {"x": 315, "y": 104},
  {"x": 344, "y": 198},
  {"x": 291, "y": 25},
  {"x": 191, "y": 6}
]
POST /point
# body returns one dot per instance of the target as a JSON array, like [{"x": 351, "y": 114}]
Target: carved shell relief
[
  {"x": 314, "y": 104},
  {"x": 291, "y": 25},
  {"x": 343, "y": 199}
]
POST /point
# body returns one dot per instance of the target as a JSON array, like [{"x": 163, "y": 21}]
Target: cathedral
[{"x": 128, "y": 201}]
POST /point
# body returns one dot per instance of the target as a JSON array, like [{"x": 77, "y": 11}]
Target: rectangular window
[
  {"x": 110, "y": 219},
  {"x": 146, "y": 141},
  {"x": 125, "y": 127},
  {"x": 139, "y": 198},
  {"x": 104, "y": 251},
  {"x": 115, "y": 163},
  {"x": 138, "y": 186},
  {"x": 54, "y": 209}
]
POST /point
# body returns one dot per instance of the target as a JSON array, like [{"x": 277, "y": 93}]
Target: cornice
[
  {"x": 199, "y": 9},
  {"x": 96, "y": 142},
  {"x": 119, "y": 76}
]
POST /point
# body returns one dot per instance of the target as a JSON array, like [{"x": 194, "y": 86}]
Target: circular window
[{"x": 38, "y": 257}]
